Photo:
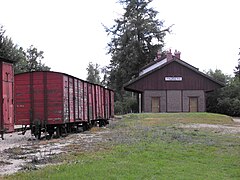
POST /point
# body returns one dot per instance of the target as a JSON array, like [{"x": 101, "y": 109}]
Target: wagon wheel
[
  {"x": 85, "y": 126},
  {"x": 2, "y": 135},
  {"x": 94, "y": 123},
  {"x": 39, "y": 133},
  {"x": 101, "y": 123},
  {"x": 36, "y": 131},
  {"x": 58, "y": 131},
  {"x": 50, "y": 133}
]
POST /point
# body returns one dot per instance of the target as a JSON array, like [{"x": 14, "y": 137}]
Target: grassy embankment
[{"x": 155, "y": 146}]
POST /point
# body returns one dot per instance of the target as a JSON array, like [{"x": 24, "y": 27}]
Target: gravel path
[
  {"x": 236, "y": 119},
  {"x": 24, "y": 152},
  {"x": 19, "y": 151}
]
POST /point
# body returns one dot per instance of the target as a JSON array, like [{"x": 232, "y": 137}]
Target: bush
[
  {"x": 128, "y": 105},
  {"x": 226, "y": 100}
]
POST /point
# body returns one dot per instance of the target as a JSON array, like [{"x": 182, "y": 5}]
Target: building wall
[
  {"x": 173, "y": 100},
  {"x": 190, "y": 79},
  {"x": 197, "y": 93}
]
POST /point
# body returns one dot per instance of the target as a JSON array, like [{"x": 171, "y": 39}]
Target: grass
[{"x": 153, "y": 146}]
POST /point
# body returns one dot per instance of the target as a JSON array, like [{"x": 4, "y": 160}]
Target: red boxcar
[
  {"x": 57, "y": 102},
  {"x": 6, "y": 97}
]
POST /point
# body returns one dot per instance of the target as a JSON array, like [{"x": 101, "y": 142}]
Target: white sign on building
[{"x": 173, "y": 78}]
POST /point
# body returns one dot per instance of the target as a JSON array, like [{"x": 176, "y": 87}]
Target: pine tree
[
  {"x": 93, "y": 73},
  {"x": 237, "y": 68},
  {"x": 135, "y": 39}
]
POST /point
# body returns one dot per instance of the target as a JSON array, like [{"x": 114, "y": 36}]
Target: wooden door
[
  {"x": 155, "y": 104},
  {"x": 7, "y": 95},
  {"x": 193, "y": 104}
]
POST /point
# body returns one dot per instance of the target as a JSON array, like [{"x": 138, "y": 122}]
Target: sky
[{"x": 71, "y": 34}]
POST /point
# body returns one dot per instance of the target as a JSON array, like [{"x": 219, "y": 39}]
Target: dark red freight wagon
[
  {"x": 6, "y": 97},
  {"x": 55, "y": 102}
]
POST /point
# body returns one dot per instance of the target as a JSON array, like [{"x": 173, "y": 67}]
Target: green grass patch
[
  {"x": 152, "y": 146},
  {"x": 170, "y": 118}
]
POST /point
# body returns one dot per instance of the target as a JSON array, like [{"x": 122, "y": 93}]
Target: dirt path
[
  {"x": 24, "y": 152},
  {"x": 236, "y": 119},
  {"x": 18, "y": 152},
  {"x": 223, "y": 129}
]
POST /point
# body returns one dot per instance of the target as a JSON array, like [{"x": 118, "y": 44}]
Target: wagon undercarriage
[{"x": 60, "y": 130}]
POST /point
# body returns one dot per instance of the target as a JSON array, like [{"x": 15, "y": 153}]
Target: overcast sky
[{"x": 70, "y": 32}]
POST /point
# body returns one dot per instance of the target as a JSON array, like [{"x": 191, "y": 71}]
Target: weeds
[{"x": 152, "y": 146}]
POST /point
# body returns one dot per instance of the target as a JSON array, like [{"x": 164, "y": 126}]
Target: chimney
[
  {"x": 169, "y": 55},
  {"x": 158, "y": 55},
  {"x": 177, "y": 54}
]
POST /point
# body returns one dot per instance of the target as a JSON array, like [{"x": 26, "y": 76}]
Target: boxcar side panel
[
  {"x": 90, "y": 105},
  {"x": 102, "y": 103},
  {"x": 66, "y": 99},
  {"x": 1, "y": 109},
  {"x": 76, "y": 99},
  {"x": 81, "y": 100},
  {"x": 71, "y": 97},
  {"x": 112, "y": 103},
  {"x": 107, "y": 103},
  {"x": 97, "y": 101},
  {"x": 37, "y": 91},
  {"x": 22, "y": 99},
  {"x": 54, "y": 103},
  {"x": 85, "y": 101},
  {"x": 39, "y": 98},
  {"x": 94, "y": 101}
]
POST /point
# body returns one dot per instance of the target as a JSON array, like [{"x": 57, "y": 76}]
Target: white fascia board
[{"x": 152, "y": 67}]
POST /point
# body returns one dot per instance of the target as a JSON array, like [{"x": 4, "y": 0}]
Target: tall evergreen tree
[
  {"x": 237, "y": 68},
  {"x": 135, "y": 39},
  {"x": 93, "y": 73}
]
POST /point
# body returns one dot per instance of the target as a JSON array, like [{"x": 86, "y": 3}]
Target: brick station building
[{"x": 171, "y": 85}]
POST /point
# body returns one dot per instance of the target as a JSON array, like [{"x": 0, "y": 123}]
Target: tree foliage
[
  {"x": 32, "y": 61},
  {"x": 219, "y": 75},
  {"x": 135, "y": 39},
  {"x": 24, "y": 61},
  {"x": 93, "y": 73},
  {"x": 237, "y": 68},
  {"x": 128, "y": 105},
  {"x": 225, "y": 100},
  {"x": 8, "y": 49}
]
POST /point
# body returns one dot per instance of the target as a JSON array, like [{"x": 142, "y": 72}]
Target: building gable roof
[{"x": 148, "y": 70}]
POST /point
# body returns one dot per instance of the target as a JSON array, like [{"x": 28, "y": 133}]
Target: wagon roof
[{"x": 62, "y": 74}]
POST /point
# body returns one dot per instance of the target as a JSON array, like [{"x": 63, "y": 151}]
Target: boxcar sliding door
[{"x": 7, "y": 93}]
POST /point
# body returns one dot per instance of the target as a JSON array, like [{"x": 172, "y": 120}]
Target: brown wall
[
  {"x": 191, "y": 80},
  {"x": 174, "y": 100}
]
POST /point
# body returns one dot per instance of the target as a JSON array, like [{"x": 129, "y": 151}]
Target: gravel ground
[
  {"x": 223, "y": 129},
  {"x": 24, "y": 152},
  {"x": 236, "y": 119}
]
